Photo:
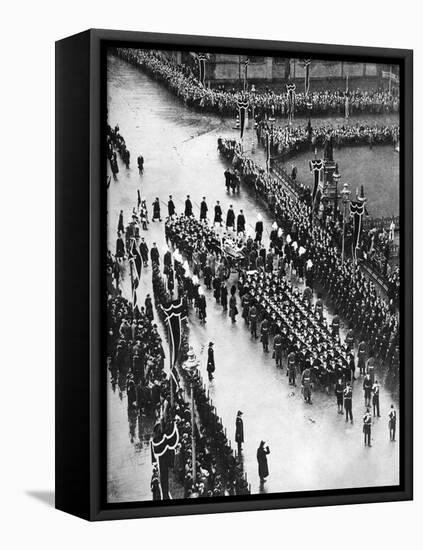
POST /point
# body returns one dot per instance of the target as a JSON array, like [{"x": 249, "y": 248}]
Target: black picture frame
[{"x": 80, "y": 246}]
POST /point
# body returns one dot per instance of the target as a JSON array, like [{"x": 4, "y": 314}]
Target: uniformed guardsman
[
  {"x": 348, "y": 402},
  {"x": 335, "y": 324},
  {"x": 253, "y": 321},
  {"x": 292, "y": 368},
  {"x": 319, "y": 307},
  {"x": 265, "y": 335},
  {"x": 367, "y": 427},
  {"x": 188, "y": 207},
  {"x": 349, "y": 339}
]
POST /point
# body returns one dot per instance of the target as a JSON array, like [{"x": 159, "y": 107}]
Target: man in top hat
[
  {"x": 239, "y": 431},
  {"x": 171, "y": 207},
  {"x": 218, "y": 213},
  {"x": 188, "y": 207},
  {"x": 203, "y": 209}
]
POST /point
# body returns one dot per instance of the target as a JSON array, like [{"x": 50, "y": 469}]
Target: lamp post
[
  {"x": 190, "y": 367},
  {"x": 336, "y": 177},
  {"x": 345, "y": 200}
]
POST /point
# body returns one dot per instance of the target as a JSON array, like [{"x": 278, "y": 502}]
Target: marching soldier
[
  {"x": 348, "y": 402},
  {"x": 335, "y": 324},
  {"x": 292, "y": 365},
  {"x": 245, "y": 306},
  {"x": 349, "y": 340},
  {"x": 367, "y": 427},
  {"x": 259, "y": 228}
]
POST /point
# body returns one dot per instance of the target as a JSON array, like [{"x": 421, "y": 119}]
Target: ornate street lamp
[
  {"x": 190, "y": 366},
  {"x": 336, "y": 177},
  {"x": 345, "y": 193}
]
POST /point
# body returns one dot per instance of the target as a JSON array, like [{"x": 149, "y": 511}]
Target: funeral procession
[{"x": 253, "y": 275}]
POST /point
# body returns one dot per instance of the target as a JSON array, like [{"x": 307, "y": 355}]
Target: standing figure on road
[
  {"x": 230, "y": 218},
  {"x": 154, "y": 254},
  {"x": 121, "y": 228},
  {"x": 259, "y": 228},
  {"x": 264, "y": 330},
  {"x": 239, "y": 431},
  {"x": 202, "y": 306},
  {"x": 156, "y": 210},
  {"x": 306, "y": 385},
  {"x": 188, "y": 207},
  {"x": 263, "y": 468},
  {"x": 240, "y": 222},
  {"x": 210, "y": 361},
  {"x": 140, "y": 161},
  {"x": 233, "y": 310},
  {"x": 392, "y": 423},
  {"x": 228, "y": 178},
  {"x": 367, "y": 387},
  {"x": 367, "y": 427},
  {"x": 376, "y": 394},
  {"x": 203, "y": 209},
  {"x": 277, "y": 349},
  {"x": 144, "y": 251},
  {"x": 339, "y": 391},
  {"x": 348, "y": 402},
  {"x": 253, "y": 321},
  {"x": 224, "y": 296},
  {"x": 171, "y": 207},
  {"x": 218, "y": 213}
]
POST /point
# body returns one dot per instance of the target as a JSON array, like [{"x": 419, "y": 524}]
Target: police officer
[
  {"x": 367, "y": 427},
  {"x": 367, "y": 387},
  {"x": 306, "y": 385},
  {"x": 348, "y": 402},
  {"x": 339, "y": 391},
  {"x": 265, "y": 335},
  {"x": 376, "y": 404},
  {"x": 277, "y": 347},
  {"x": 253, "y": 321}
]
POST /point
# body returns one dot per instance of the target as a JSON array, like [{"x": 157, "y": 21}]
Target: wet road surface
[{"x": 311, "y": 445}]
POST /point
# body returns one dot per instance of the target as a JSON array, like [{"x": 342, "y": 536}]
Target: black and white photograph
[{"x": 253, "y": 274}]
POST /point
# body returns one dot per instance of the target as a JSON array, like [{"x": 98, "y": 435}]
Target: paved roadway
[{"x": 311, "y": 445}]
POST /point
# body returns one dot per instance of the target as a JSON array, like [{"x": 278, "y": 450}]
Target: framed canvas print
[{"x": 234, "y": 274}]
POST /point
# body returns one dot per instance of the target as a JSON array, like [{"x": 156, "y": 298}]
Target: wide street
[{"x": 312, "y": 447}]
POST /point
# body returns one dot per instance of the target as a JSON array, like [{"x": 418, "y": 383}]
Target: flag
[
  {"x": 391, "y": 76},
  {"x": 357, "y": 209},
  {"x": 242, "y": 106},
  {"x": 316, "y": 166},
  {"x": 246, "y": 62},
  {"x": 174, "y": 312},
  {"x": 307, "y": 63}
]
